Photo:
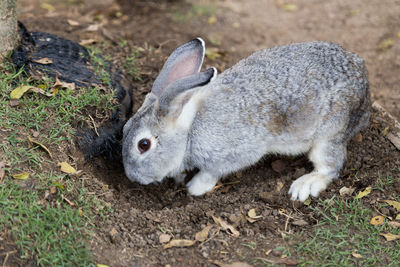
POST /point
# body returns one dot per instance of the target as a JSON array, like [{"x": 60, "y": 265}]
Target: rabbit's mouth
[{"x": 134, "y": 176}]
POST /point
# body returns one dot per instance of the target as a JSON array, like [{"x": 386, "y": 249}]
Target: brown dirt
[{"x": 130, "y": 234}]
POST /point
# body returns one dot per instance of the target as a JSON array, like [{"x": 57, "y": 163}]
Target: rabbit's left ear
[
  {"x": 186, "y": 60},
  {"x": 183, "y": 107}
]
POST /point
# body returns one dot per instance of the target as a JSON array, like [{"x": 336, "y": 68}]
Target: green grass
[
  {"x": 344, "y": 229},
  {"x": 44, "y": 226},
  {"x": 130, "y": 65}
]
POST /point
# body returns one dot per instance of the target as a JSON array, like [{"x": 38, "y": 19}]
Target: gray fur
[{"x": 294, "y": 99}]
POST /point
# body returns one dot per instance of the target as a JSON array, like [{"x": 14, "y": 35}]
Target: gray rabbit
[{"x": 294, "y": 99}]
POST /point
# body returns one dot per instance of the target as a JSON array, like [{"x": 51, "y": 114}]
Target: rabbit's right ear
[{"x": 186, "y": 60}]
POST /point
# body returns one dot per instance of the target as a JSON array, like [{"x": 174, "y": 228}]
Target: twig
[
  {"x": 94, "y": 125},
  {"x": 6, "y": 258}
]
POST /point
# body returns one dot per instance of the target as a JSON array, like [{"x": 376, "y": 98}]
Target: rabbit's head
[{"x": 155, "y": 138}]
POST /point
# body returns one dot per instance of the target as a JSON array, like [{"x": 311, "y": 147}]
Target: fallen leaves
[
  {"x": 18, "y": 92},
  {"x": 233, "y": 264},
  {"x": 377, "y": 220},
  {"x": 356, "y": 255},
  {"x": 346, "y": 191},
  {"x": 180, "y": 243},
  {"x": 43, "y": 61},
  {"x": 364, "y": 193},
  {"x": 2, "y": 171},
  {"x": 203, "y": 234},
  {"x": 60, "y": 84},
  {"x": 386, "y": 44},
  {"x": 20, "y": 176},
  {"x": 390, "y": 237},
  {"x": 394, "y": 204},
  {"x": 66, "y": 168},
  {"x": 213, "y": 53},
  {"x": 40, "y": 145},
  {"x": 225, "y": 226}
]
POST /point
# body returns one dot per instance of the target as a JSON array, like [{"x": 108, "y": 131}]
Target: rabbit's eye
[{"x": 144, "y": 145}]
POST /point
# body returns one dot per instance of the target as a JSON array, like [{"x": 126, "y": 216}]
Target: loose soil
[{"x": 129, "y": 236}]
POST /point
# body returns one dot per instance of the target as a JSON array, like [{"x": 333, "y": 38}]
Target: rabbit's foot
[
  {"x": 309, "y": 184},
  {"x": 201, "y": 183}
]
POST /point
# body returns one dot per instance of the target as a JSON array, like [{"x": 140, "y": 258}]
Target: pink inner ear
[{"x": 186, "y": 67}]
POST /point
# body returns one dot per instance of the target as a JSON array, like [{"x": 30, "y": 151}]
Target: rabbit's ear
[
  {"x": 186, "y": 60},
  {"x": 184, "y": 107},
  {"x": 187, "y": 83}
]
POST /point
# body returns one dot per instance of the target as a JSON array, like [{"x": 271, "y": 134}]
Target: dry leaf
[
  {"x": 41, "y": 145},
  {"x": 65, "y": 167},
  {"x": 386, "y": 44},
  {"x": 213, "y": 53},
  {"x": 59, "y": 84},
  {"x": 180, "y": 243},
  {"x": 364, "y": 193},
  {"x": 226, "y": 227},
  {"x": 101, "y": 265},
  {"x": 21, "y": 176},
  {"x": 40, "y": 91},
  {"x": 394, "y": 224},
  {"x": 393, "y": 203},
  {"x": 390, "y": 237},
  {"x": 289, "y": 7},
  {"x": 279, "y": 186},
  {"x": 43, "y": 61},
  {"x": 203, "y": 234},
  {"x": 307, "y": 202},
  {"x": 288, "y": 261},
  {"x": 346, "y": 191},
  {"x": 2, "y": 172},
  {"x": 93, "y": 27},
  {"x": 252, "y": 213},
  {"x": 397, "y": 217},
  {"x": 72, "y": 22},
  {"x": 236, "y": 25},
  {"x": 48, "y": 7},
  {"x": 356, "y": 255},
  {"x": 233, "y": 264},
  {"x": 87, "y": 42},
  {"x": 212, "y": 20},
  {"x": 68, "y": 201},
  {"x": 164, "y": 238},
  {"x": 377, "y": 220},
  {"x": 53, "y": 190},
  {"x": 18, "y": 92}
]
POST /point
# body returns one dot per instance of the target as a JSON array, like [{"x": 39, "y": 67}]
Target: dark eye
[{"x": 144, "y": 145}]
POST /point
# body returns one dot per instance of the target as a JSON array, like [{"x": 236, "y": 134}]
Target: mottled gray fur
[{"x": 294, "y": 99}]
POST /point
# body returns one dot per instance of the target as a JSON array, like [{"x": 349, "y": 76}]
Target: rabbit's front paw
[
  {"x": 201, "y": 183},
  {"x": 309, "y": 184}
]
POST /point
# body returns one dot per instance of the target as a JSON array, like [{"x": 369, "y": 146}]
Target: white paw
[
  {"x": 309, "y": 184},
  {"x": 196, "y": 187}
]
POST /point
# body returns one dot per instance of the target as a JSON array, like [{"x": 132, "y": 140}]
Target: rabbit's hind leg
[{"x": 328, "y": 157}]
